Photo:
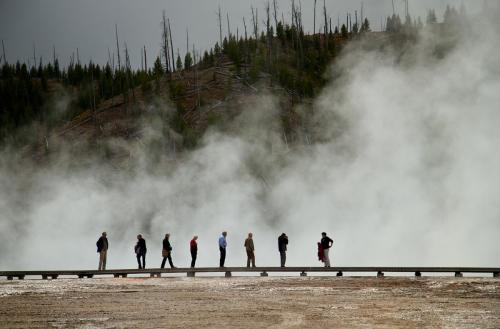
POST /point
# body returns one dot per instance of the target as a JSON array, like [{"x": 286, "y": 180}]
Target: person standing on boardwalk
[
  {"x": 102, "y": 248},
  {"x": 326, "y": 243},
  {"x": 140, "y": 251},
  {"x": 167, "y": 252},
  {"x": 193, "y": 247},
  {"x": 222, "y": 248},
  {"x": 282, "y": 243},
  {"x": 250, "y": 250}
]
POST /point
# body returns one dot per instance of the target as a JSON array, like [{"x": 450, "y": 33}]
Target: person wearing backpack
[
  {"x": 102, "y": 248},
  {"x": 167, "y": 252}
]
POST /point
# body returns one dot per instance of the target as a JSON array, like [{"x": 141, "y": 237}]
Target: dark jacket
[
  {"x": 282, "y": 242},
  {"x": 166, "y": 245},
  {"x": 193, "y": 246},
  {"x": 140, "y": 247},
  {"x": 326, "y": 242},
  {"x": 102, "y": 243}
]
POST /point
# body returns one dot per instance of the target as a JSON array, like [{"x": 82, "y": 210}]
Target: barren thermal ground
[{"x": 245, "y": 302}]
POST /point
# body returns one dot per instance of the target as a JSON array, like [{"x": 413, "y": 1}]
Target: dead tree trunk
[
  {"x": 118, "y": 48},
  {"x": 4, "y": 57},
  {"x": 171, "y": 46},
  {"x": 314, "y": 20},
  {"x": 165, "y": 46},
  {"x": 220, "y": 28}
]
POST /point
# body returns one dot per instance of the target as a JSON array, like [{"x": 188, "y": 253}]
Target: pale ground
[{"x": 251, "y": 302}]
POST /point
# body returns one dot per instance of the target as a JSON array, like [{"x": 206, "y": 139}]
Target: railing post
[
  {"x": 44, "y": 276},
  {"x": 20, "y": 277},
  {"x": 228, "y": 274},
  {"x": 380, "y": 274},
  {"x": 458, "y": 274},
  {"x": 303, "y": 273},
  {"x": 339, "y": 273},
  {"x": 496, "y": 274},
  {"x": 418, "y": 274},
  {"x": 10, "y": 277},
  {"x": 190, "y": 274},
  {"x": 116, "y": 275},
  {"x": 264, "y": 274}
]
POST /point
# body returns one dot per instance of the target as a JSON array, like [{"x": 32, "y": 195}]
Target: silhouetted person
[
  {"x": 193, "y": 247},
  {"x": 102, "y": 248},
  {"x": 167, "y": 252},
  {"x": 222, "y": 248},
  {"x": 140, "y": 251},
  {"x": 326, "y": 243},
  {"x": 282, "y": 243},
  {"x": 249, "y": 247}
]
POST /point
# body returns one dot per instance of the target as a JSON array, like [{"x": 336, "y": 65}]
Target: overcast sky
[{"x": 89, "y": 25}]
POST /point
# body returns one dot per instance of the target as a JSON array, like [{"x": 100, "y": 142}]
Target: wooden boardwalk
[{"x": 264, "y": 271}]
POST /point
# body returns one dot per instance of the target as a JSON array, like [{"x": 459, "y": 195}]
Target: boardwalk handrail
[{"x": 303, "y": 270}]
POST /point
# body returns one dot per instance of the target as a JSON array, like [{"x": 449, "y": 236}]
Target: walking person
[
  {"x": 326, "y": 243},
  {"x": 140, "y": 251},
  {"x": 167, "y": 251},
  {"x": 250, "y": 250},
  {"x": 102, "y": 248},
  {"x": 282, "y": 243},
  {"x": 222, "y": 248},
  {"x": 193, "y": 247}
]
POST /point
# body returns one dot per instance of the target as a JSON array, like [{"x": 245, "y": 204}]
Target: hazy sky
[{"x": 89, "y": 25}]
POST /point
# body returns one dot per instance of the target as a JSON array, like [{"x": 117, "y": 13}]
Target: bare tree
[
  {"x": 314, "y": 20},
  {"x": 245, "y": 26},
  {"x": 145, "y": 60},
  {"x": 118, "y": 48},
  {"x": 220, "y": 27},
  {"x": 255, "y": 22},
  {"x": 4, "y": 57},
  {"x": 228, "y": 28},
  {"x": 275, "y": 6},
  {"x": 165, "y": 45},
  {"x": 269, "y": 36},
  {"x": 171, "y": 46}
]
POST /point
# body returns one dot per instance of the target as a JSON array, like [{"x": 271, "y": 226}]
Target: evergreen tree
[
  {"x": 188, "y": 61},
  {"x": 158, "y": 68},
  {"x": 178, "y": 63},
  {"x": 343, "y": 31}
]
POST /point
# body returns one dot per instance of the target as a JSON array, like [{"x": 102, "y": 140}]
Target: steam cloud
[{"x": 403, "y": 170}]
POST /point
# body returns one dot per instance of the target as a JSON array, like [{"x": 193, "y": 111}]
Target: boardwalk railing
[{"x": 337, "y": 271}]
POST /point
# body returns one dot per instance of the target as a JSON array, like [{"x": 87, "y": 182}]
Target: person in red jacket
[{"x": 193, "y": 247}]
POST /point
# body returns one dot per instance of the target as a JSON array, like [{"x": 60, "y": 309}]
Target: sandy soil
[{"x": 251, "y": 302}]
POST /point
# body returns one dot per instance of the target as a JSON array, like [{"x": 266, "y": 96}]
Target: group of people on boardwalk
[{"x": 140, "y": 250}]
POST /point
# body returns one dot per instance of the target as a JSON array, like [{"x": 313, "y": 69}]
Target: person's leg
[
  {"x": 139, "y": 260},
  {"x": 104, "y": 259},
  {"x": 222, "y": 256},
  {"x": 163, "y": 262},
  {"x": 170, "y": 260},
  {"x": 327, "y": 258},
  {"x": 193, "y": 258},
  {"x": 100, "y": 261},
  {"x": 144, "y": 260},
  {"x": 253, "y": 259},
  {"x": 282, "y": 258},
  {"x": 249, "y": 257}
]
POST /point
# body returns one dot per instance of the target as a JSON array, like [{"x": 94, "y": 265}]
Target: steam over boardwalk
[{"x": 271, "y": 302}]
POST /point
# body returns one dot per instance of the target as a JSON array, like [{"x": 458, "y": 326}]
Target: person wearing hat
[
  {"x": 326, "y": 243},
  {"x": 102, "y": 248}
]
